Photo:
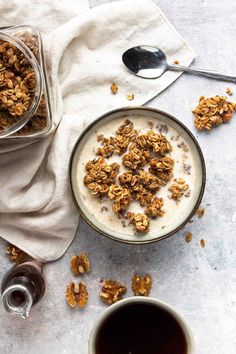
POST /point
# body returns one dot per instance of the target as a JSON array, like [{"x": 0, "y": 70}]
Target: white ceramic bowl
[
  {"x": 177, "y": 214},
  {"x": 146, "y": 300}
]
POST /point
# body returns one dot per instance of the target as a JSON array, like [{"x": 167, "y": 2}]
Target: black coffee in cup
[{"x": 140, "y": 328}]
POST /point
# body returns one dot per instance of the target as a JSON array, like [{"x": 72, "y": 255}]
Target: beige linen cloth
[{"x": 83, "y": 49}]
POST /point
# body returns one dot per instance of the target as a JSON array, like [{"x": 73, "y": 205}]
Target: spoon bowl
[
  {"x": 150, "y": 63},
  {"x": 145, "y": 61}
]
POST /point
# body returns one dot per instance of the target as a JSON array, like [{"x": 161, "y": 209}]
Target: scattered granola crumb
[
  {"x": 162, "y": 128},
  {"x": 112, "y": 291},
  {"x": 212, "y": 112},
  {"x": 200, "y": 212},
  {"x": 183, "y": 146},
  {"x": 203, "y": 243},
  {"x": 104, "y": 209},
  {"x": 151, "y": 124},
  {"x": 130, "y": 97},
  {"x": 80, "y": 264},
  {"x": 175, "y": 62},
  {"x": 76, "y": 294},
  {"x": 15, "y": 254},
  {"x": 187, "y": 168},
  {"x": 188, "y": 237},
  {"x": 141, "y": 286},
  {"x": 114, "y": 88},
  {"x": 229, "y": 91},
  {"x": 188, "y": 193}
]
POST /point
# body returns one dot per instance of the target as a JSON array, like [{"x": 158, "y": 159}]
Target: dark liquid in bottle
[
  {"x": 140, "y": 329},
  {"x": 28, "y": 274}
]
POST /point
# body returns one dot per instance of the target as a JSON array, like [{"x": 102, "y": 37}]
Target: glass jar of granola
[{"x": 24, "y": 98}]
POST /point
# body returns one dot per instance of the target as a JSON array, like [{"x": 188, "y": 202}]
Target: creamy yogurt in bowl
[{"x": 189, "y": 165}]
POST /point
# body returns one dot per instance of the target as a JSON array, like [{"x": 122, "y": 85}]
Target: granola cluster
[
  {"x": 17, "y": 84},
  {"x": 100, "y": 176},
  {"x": 118, "y": 144},
  {"x": 120, "y": 196},
  {"x": 140, "y": 221},
  {"x": 112, "y": 291},
  {"x": 136, "y": 158},
  {"x": 178, "y": 188},
  {"x": 162, "y": 168},
  {"x": 148, "y": 167},
  {"x": 212, "y": 112},
  {"x": 156, "y": 141}
]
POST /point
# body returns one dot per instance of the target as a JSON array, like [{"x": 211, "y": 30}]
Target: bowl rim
[{"x": 144, "y": 109}]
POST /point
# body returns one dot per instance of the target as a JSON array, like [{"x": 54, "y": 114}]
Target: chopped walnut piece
[
  {"x": 162, "y": 168},
  {"x": 188, "y": 237},
  {"x": 80, "y": 264},
  {"x": 178, "y": 188},
  {"x": 212, "y": 111},
  {"x": 114, "y": 88},
  {"x": 15, "y": 254},
  {"x": 203, "y": 243},
  {"x": 112, "y": 291},
  {"x": 140, "y": 221},
  {"x": 200, "y": 212},
  {"x": 154, "y": 209},
  {"x": 100, "y": 176},
  {"x": 120, "y": 196},
  {"x": 141, "y": 286},
  {"x": 76, "y": 294},
  {"x": 229, "y": 91},
  {"x": 136, "y": 158},
  {"x": 130, "y": 97}
]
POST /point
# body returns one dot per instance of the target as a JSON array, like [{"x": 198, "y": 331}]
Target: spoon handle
[{"x": 202, "y": 72}]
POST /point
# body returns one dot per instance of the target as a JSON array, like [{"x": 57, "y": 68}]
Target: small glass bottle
[{"x": 22, "y": 287}]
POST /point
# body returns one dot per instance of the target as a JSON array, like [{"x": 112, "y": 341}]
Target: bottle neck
[{"x": 18, "y": 299}]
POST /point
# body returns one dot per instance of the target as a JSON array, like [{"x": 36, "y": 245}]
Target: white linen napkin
[{"x": 83, "y": 49}]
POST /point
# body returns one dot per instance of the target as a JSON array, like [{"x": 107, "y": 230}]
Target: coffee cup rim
[{"x": 136, "y": 299}]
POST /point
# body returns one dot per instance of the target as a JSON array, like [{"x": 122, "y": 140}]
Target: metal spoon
[{"x": 150, "y": 63}]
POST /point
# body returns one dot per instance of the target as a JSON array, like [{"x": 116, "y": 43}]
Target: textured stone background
[{"x": 201, "y": 283}]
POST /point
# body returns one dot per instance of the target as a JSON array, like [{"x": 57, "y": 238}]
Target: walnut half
[
  {"x": 112, "y": 291},
  {"x": 80, "y": 264},
  {"x": 76, "y": 294},
  {"x": 141, "y": 286}
]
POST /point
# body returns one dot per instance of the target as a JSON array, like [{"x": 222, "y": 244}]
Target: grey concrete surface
[{"x": 201, "y": 283}]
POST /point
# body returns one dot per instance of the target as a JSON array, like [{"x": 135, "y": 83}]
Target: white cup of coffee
[{"x": 141, "y": 325}]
